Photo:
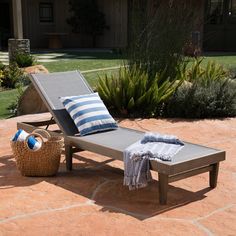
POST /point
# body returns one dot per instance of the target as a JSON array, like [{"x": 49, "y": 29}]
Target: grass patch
[
  {"x": 81, "y": 61},
  {"x": 227, "y": 60},
  {"x": 7, "y": 97},
  {"x": 92, "y": 77},
  {"x": 67, "y": 65}
]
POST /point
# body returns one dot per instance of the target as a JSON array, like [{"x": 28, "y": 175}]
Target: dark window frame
[
  {"x": 48, "y": 6},
  {"x": 232, "y": 8}
]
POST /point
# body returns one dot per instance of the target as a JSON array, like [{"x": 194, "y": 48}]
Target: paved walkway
[
  {"x": 91, "y": 200},
  {"x": 46, "y": 57},
  {"x": 55, "y": 55}
]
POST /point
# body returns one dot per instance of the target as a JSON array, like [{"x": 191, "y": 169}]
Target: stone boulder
[
  {"x": 35, "y": 69},
  {"x": 30, "y": 102}
]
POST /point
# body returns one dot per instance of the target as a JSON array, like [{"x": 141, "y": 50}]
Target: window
[
  {"x": 215, "y": 11},
  {"x": 232, "y": 8},
  {"x": 46, "y": 12}
]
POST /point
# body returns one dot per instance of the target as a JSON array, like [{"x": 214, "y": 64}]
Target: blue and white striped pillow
[{"x": 89, "y": 113}]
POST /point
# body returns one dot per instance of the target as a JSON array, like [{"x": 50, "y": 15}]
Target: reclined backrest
[{"x": 54, "y": 85}]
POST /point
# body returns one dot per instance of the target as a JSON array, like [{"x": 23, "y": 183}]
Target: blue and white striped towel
[
  {"x": 152, "y": 146},
  {"x": 21, "y": 136},
  {"x": 156, "y": 137}
]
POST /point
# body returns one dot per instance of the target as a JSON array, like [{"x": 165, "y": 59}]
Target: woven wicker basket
[{"x": 42, "y": 162}]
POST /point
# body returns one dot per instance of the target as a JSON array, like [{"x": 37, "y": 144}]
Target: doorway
[
  {"x": 220, "y": 25},
  {"x": 5, "y": 23}
]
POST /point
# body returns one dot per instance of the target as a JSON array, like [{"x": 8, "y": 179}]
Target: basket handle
[
  {"x": 42, "y": 131},
  {"x": 35, "y": 135}
]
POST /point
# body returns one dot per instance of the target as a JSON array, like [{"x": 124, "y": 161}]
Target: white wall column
[
  {"x": 18, "y": 43},
  {"x": 17, "y": 19}
]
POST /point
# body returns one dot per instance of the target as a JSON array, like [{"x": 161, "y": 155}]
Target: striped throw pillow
[{"x": 89, "y": 113}]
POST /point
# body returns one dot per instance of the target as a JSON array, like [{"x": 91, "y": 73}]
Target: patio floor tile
[{"x": 91, "y": 199}]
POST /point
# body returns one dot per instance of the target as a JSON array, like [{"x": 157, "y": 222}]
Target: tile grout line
[
  {"x": 88, "y": 203},
  {"x": 96, "y": 190},
  {"x": 197, "y": 223},
  {"x": 202, "y": 227},
  {"x": 216, "y": 211},
  {"x": 22, "y": 216}
]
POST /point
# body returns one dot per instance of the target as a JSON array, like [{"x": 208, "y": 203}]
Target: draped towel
[{"x": 152, "y": 146}]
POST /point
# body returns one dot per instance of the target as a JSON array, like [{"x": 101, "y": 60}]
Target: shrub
[
  {"x": 216, "y": 98},
  {"x": 132, "y": 93},
  {"x": 232, "y": 72},
  {"x": 207, "y": 92},
  {"x": 1, "y": 77},
  {"x": 24, "y": 59},
  {"x": 1, "y": 66},
  {"x": 13, "y": 75},
  {"x": 1, "y": 72}
]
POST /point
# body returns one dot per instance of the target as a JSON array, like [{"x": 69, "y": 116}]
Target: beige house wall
[{"x": 114, "y": 10}]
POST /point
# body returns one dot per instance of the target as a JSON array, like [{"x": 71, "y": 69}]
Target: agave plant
[
  {"x": 212, "y": 71},
  {"x": 133, "y": 93}
]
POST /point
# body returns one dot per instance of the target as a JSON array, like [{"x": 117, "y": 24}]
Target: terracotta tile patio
[{"x": 91, "y": 200}]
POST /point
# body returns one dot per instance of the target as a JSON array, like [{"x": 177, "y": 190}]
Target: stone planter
[{"x": 18, "y": 45}]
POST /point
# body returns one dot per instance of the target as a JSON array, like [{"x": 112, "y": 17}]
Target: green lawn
[
  {"x": 82, "y": 61},
  {"x": 226, "y": 59},
  {"x": 91, "y": 61},
  {"x": 92, "y": 78},
  {"x": 6, "y": 99}
]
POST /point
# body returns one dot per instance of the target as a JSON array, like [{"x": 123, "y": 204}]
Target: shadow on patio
[{"x": 101, "y": 183}]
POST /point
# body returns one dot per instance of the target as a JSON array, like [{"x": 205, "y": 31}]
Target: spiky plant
[{"x": 132, "y": 93}]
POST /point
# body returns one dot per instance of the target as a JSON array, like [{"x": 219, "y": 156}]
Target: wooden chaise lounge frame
[{"x": 191, "y": 160}]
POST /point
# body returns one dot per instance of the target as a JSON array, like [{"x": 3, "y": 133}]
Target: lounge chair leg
[
  {"x": 68, "y": 153},
  {"x": 213, "y": 174},
  {"x": 163, "y": 188}
]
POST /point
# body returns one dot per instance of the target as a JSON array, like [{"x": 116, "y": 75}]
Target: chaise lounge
[{"x": 191, "y": 160}]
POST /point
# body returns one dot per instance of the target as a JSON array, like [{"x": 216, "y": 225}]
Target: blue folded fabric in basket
[{"x": 32, "y": 142}]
